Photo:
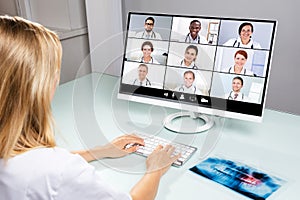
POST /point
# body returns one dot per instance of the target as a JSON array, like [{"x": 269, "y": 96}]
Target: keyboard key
[{"x": 151, "y": 142}]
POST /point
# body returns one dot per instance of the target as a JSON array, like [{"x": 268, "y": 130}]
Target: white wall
[
  {"x": 60, "y": 14},
  {"x": 283, "y": 93},
  {"x": 75, "y": 60},
  {"x": 8, "y": 7},
  {"x": 71, "y": 26},
  {"x": 105, "y": 35}
]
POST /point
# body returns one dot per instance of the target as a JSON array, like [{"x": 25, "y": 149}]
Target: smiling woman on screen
[
  {"x": 245, "y": 39},
  {"x": 240, "y": 59},
  {"x": 190, "y": 55}
]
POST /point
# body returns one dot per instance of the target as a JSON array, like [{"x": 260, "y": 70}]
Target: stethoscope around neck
[
  {"x": 153, "y": 35},
  {"x": 148, "y": 83},
  {"x": 193, "y": 67},
  {"x": 188, "y": 38},
  {"x": 239, "y": 43},
  {"x": 142, "y": 60},
  {"x": 181, "y": 89},
  {"x": 230, "y": 97},
  {"x": 234, "y": 72}
]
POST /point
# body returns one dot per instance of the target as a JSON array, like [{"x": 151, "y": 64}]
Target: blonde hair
[{"x": 29, "y": 69}]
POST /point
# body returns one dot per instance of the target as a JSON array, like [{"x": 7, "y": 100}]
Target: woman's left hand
[{"x": 119, "y": 147}]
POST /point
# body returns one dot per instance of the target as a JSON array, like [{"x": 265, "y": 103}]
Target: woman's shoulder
[
  {"x": 56, "y": 152},
  {"x": 230, "y": 42},
  {"x": 256, "y": 45},
  {"x": 226, "y": 69},
  {"x": 28, "y": 171},
  {"x": 154, "y": 61},
  {"x": 177, "y": 88},
  {"x": 249, "y": 72},
  {"x": 47, "y": 158}
]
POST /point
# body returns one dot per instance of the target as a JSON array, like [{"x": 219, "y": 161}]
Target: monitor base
[{"x": 195, "y": 123}]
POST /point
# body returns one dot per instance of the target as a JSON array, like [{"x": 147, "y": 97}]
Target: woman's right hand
[{"x": 160, "y": 160}]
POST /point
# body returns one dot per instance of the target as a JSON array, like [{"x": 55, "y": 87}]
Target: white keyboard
[{"x": 151, "y": 142}]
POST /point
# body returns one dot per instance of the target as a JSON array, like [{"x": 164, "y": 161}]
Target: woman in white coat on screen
[
  {"x": 240, "y": 59},
  {"x": 245, "y": 38},
  {"x": 190, "y": 55},
  {"x": 147, "y": 49}
]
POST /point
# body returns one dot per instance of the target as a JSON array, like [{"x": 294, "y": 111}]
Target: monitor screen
[{"x": 212, "y": 65}]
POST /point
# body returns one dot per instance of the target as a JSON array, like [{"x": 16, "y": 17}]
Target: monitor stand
[{"x": 188, "y": 122}]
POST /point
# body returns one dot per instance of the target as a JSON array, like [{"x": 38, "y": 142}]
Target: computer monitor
[{"x": 202, "y": 64}]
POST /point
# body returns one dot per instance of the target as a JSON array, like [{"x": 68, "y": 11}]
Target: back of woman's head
[{"x": 29, "y": 69}]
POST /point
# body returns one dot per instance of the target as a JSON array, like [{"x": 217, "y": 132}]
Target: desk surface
[{"x": 88, "y": 113}]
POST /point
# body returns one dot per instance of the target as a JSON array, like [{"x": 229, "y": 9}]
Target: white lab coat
[
  {"x": 191, "y": 90},
  {"x": 241, "y": 96},
  {"x": 146, "y": 82},
  {"x": 152, "y": 61},
  {"x": 191, "y": 66},
  {"x": 243, "y": 72},
  {"x": 150, "y": 35},
  {"x": 199, "y": 39},
  {"x": 53, "y": 173},
  {"x": 236, "y": 42}
]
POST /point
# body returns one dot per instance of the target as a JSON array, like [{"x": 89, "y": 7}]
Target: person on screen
[
  {"x": 148, "y": 33},
  {"x": 32, "y": 166},
  {"x": 190, "y": 56},
  {"x": 193, "y": 36},
  {"x": 142, "y": 79},
  {"x": 236, "y": 94},
  {"x": 147, "y": 49},
  {"x": 188, "y": 86},
  {"x": 245, "y": 38},
  {"x": 240, "y": 59}
]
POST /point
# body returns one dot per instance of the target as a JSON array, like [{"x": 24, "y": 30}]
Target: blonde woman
[{"x": 31, "y": 166}]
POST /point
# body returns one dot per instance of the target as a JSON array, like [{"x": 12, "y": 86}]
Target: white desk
[{"x": 87, "y": 114}]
